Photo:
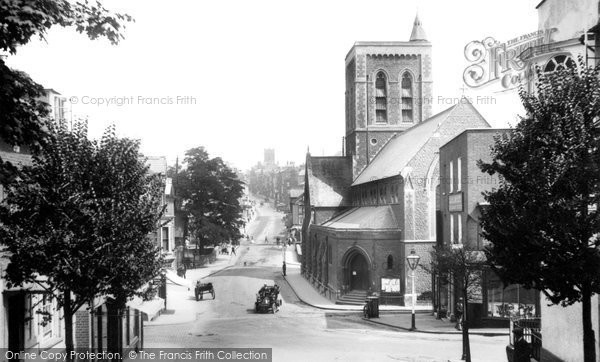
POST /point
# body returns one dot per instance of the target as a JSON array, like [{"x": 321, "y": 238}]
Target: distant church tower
[{"x": 388, "y": 90}]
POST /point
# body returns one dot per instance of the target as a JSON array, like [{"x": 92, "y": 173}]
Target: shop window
[{"x": 512, "y": 301}]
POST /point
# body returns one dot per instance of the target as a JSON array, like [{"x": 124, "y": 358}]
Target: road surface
[{"x": 299, "y": 332}]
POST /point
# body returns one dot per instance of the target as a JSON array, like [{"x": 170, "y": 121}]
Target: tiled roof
[
  {"x": 400, "y": 150},
  {"x": 366, "y": 217},
  {"x": 329, "y": 179}
]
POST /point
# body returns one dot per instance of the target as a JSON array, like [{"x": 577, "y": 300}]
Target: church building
[{"x": 367, "y": 209}]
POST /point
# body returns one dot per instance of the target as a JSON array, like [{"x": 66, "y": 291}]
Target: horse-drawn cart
[{"x": 202, "y": 288}]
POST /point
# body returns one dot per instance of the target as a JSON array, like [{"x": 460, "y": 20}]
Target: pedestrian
[
  {"x": 460, "y": 310},
  {"x": 266, "y": 240},
  {"x": 233, "y": 250},
  {"x": 283, "y": 268}
]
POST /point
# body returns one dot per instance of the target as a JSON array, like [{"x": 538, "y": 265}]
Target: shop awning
[{"x": 149, "y": 307}]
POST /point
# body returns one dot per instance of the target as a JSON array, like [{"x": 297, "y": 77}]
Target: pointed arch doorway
[{"x": 357, "y": 268}]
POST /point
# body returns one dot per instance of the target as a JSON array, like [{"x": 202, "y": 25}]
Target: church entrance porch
[{"x": 357, "y": 271}]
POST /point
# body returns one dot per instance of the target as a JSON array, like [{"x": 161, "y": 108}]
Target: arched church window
[
  {"x": 559, "y": 62},
  {"x": 390, "y": 262},
  {"x": 380, "y": 98},
  {"x": 407, "y": 98}
]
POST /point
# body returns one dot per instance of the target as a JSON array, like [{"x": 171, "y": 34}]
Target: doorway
[{"x": 359, "y": 272}]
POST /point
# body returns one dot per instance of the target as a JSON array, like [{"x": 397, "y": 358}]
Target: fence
[{"x": 532, "y": 333}]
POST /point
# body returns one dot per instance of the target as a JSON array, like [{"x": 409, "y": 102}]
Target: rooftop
[{"x": 401, "y": 149}]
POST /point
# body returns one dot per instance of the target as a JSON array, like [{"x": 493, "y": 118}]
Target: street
[{"x": 298, "y": 332}]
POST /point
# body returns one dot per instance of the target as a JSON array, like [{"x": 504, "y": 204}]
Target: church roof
[
  {"x": 366, "y": 217},
  {"x": 400, "y": 150},
  {"x": 418, "y": 33},
  {"x": 329, "y": 180}
]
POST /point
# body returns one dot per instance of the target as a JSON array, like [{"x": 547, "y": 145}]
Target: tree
[
  {"x": 462, "y": 268},
  {"x": 210, "y": 193},
  {"x": 542, "y": 221},
  {"x": 22, "y": 113},
  {"x": 80, "y": 218}
]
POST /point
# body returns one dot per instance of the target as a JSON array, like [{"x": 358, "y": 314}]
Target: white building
[{"x": 573, "y": 25}]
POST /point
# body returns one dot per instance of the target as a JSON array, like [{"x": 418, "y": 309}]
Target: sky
[{"x": 239, "y": 76}]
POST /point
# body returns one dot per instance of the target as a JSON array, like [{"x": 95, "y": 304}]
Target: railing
[
  {"x": 322, "y": 287},
  {"x": 532, "y": 333},
  {"x": 385, "y": 299}
]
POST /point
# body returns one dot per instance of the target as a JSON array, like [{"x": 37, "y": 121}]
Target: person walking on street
[
  {"x": 283, "y": 268},
  {"x": 233, "y": 250},
  {"x": 460, "y": 310}
]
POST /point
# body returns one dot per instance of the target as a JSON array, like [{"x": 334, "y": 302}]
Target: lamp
[{"x": 413, "y": 262}]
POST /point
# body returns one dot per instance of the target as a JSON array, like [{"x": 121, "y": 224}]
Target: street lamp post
[{"x": 413, "y": 261}]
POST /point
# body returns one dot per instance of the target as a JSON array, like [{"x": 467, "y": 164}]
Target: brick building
[
  {"x": 22, "y": 327},
  {"x": 461, "y": 200},
  {"x": 366, "y": 210}
]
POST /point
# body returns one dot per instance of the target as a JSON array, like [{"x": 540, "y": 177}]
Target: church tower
[{"x": 388, "y": 90}]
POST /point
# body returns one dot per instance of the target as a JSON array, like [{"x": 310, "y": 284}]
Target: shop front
[{"x": 511, "y": 301}]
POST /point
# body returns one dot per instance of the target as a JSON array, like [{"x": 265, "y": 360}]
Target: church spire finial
[{"x": 418, "y": 33}]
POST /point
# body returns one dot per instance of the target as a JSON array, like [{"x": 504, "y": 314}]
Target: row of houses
[
  {"x": 96, "y": 326},
  {"x": 409, "y": 180}
]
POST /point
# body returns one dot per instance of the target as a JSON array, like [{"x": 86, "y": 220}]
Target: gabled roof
[
  {"x": 329, "y": 179},
  {"x": 366, "y": 217},
  {"x": 400, "y": 150}
]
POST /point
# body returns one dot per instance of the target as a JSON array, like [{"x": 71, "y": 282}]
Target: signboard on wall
[
  {"x": 455, "y": 202},
  {"x": 390, "y": 285},
  {"x": 474, "y": 291}
]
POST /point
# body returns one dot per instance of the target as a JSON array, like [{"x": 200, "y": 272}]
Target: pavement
[
  {"x": 397, "y": 317},
  {"x": 186, "y": 301}
]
